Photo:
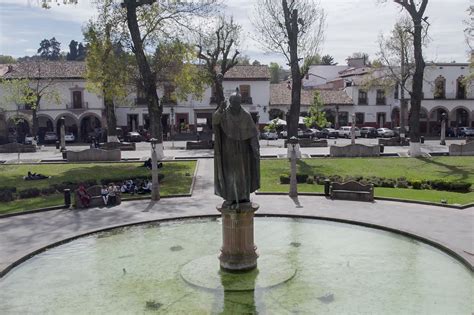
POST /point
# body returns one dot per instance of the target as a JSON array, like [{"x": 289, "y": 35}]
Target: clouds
[{"x": 352, "y": 25}]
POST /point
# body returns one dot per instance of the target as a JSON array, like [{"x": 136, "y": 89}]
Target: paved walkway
[{"x": 21, "y": 235}]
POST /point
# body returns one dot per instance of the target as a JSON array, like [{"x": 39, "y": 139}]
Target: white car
[
  {"x": 29, "y": 139},
  {"x": 385, "y": 133},
  {"x": 270, "y": 135},
  {"x": 69, "y": 137},
  {"x": 345, "y": 132}
]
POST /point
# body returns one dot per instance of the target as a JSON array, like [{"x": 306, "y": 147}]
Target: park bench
[
  {"x": 96, "y": 198},
  {"x": 123, "y": 146},
  {"x": 310, "y": 143},
  {"x": 352, "y": 191},
  {"x": 199, "y": 145}
]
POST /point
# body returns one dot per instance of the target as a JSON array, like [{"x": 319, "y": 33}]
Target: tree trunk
[
  {"x": 291, "y": 21},
  {"x": 111, "y": 120},
  {"x": 417, "y": 88},
  {"x": 148, "y": 78},
  {"x": 219, "y": 91},
  {"x": 34, "y": 129}
]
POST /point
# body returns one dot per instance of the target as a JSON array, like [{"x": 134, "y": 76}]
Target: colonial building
[
  {"x": 445, "y": 91},
  {"x": 84, "y": 111}
]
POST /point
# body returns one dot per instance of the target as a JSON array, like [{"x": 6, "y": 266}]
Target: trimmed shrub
[
  {"x": 48, "y": 191},
  {"x": 10, "y": 189},
  {"x": 29, "y": 193},
  {"x": 402, "y": 183},
  {"x": 301, "y": 178},
  {"x": 310, "y": 181},
  {"x": 284, "y": 179},
  {"x": 6, "y": 196},
  {"x": 388, "y": 183},
  {"x": 461, "y": 187},
  {"x": 335, "y": 178},
  {"x": 416, "y": 184}
]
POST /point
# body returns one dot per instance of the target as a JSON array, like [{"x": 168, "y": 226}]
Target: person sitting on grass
[
  {"x": 124, "y": 188},
  {"x": 104, "y": 192},
  {"x": 84, "y": 196},
  {"x": 145, "y": 188},
  {"x": 149, "y": 165}
]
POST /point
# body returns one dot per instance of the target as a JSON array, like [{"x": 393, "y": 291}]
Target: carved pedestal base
[{"x": 238, "y": 252}]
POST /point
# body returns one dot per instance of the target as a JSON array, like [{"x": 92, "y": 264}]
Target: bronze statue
[{"x": 236, "y": 152}]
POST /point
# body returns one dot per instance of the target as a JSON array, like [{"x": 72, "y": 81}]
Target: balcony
[
  {"x": 78, "y": 106},
  {"x": 381, "y": 101},
  {"x": 213, "y": 100},
  {"x": 362, "y": 101}
]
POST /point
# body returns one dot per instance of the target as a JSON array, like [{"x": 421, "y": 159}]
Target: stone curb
[{"x": 439, "y": 245}]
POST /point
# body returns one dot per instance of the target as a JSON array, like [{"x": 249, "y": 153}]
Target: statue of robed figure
[{"x": 236, "y": 152}]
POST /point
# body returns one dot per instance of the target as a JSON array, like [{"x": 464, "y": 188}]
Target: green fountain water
[{"x": 305, "y": 266}]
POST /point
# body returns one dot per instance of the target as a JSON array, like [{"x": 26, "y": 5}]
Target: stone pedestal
[{"x": 238, "y": 252}]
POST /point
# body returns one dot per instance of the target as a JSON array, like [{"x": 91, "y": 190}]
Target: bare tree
[
  {"x": 397, "y": 56},
  {"x": 218, "y": 49},
  {"x": 293, "y": 28},
  {"x": 416, "y": 9}
]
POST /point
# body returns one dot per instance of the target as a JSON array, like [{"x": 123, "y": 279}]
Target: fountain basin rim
[{"x": 424, "y": 239}]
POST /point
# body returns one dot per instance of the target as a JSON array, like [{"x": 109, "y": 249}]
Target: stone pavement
[{"x": 23, "y": 234}]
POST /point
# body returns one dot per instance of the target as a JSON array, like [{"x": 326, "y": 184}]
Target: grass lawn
[
  {"x": 447, "y": 168},
  {"x": 177, "y": 180}
]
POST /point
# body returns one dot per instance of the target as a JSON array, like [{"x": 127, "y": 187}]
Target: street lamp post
[
  {"x": 293, "y": 183},
  {"x": 443, "y": 129},
  {"x": 155, "y": 190}
]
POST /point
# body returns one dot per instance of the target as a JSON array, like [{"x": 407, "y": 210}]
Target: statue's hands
[{"x": 223, "y": 106}]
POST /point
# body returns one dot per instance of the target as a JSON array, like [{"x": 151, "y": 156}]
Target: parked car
[
  {"x": 345, "y": 132},
  {"x": 385, "y": 133},
  {"x": 50, "y": 137},
  {"x": 309, "y": 133},
  {"x": 284, "y": 133},
  {"x": 269, "y": 135},
  {"x": 29, "y": 139},
  {"x": 465, "y": 132},
  {"x": 69, "y": 137},
  {"x": 327, "y": 133},
  {"x": 133, "y": 136},
  {"x": 368, "y": 132}
]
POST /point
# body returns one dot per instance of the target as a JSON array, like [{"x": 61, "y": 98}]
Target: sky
[{"x": 351, "y": 26}]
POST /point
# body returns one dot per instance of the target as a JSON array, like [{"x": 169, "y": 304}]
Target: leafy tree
[
  {"x": 293, "y": 28},
  {"x": 316, "y": 114},
  {"x": 275, "y": 70},
  {"x": 107, "y": 72},
  {"x": 256, "y": 63},
  {"x": 50, "y": 49},
  {"x": 328, "y": 60},
  {"x": 243, "y": 60},
  {"x": 81, "y": 52},
  {"x": 4, "y": 59},
  {"x": 72, "y": 54},
  {"x": 218, "y": 50}
]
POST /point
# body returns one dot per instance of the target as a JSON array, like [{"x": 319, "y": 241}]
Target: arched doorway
[
  {"x": 435, "y": 120},
  {"x": 460, "y": 118},
  {"x": 423, "y": 121},
  {"x": 3, "y": 129},
  {"x": 395, "y": 117},
  {"x": 91, "y": 127},
  {"x": 70, "y": 125},
  {"x": 18, "y": 128},
  {"x": 45, "y": 124}
]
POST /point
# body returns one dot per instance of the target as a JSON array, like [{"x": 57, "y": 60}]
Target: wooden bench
[
  {"x": 123, "y": 146},
  {"x": 96, "y": 198},
  {"x": 352, "y": 191}
]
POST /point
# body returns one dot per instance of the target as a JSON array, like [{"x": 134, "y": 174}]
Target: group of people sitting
[
  {"x": 35, "y": 176},
  {"x": 108, "y": 194},
  {"x": 130, "y": 187}
]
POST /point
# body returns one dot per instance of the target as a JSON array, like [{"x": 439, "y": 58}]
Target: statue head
[{"x": 235, "y": 99}]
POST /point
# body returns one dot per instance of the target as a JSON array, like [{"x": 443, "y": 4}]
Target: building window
[
  {"x": 440, "y": 88},
  {"x": 343, "y": 118},
  {"x": 461, "y": 88},
  {"x": 245, "y": 92},
  {"x": 141, "y": 95},
  {"x": 396, "y": 92},
  {"x": 77, "y": 99},
  {"x": 362, "y": 98},
  {"x": 381, "y": 97},
  {"x": 360, "y": 118}
]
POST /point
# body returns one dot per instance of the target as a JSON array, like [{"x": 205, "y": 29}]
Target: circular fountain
[{"x": 304, "y": 266}]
